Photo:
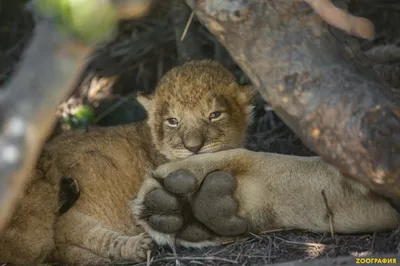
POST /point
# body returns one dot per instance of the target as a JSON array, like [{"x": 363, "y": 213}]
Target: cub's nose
[
  {"x": 193, "y": 142},
  {"x": 194, "y": 148}
]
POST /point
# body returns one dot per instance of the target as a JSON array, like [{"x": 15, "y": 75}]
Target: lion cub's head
[{"x": 198, "y": 108}]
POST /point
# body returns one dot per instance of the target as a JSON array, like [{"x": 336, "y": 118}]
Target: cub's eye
[
  {"x": 215, "y": 115},
  {"x": 173, "y": 122}
]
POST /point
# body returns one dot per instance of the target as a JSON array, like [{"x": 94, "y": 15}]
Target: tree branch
[
  {"x": 290, "y": 55},
  {"x": 43, "y": 81},
  {"x": 49, "y": 68}
]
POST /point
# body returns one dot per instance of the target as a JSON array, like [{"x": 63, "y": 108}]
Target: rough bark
[{"x": 337, "y": 109}]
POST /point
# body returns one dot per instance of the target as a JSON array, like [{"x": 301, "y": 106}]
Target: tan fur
[
  {"x": 28, "y": 239},
  {"x": 190, "y": 95},
  {"x": 280, "y": 192},
  {"x": 109, "y": 165}
]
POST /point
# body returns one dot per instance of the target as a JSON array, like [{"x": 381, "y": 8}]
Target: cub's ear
[
  {"x": 146, "y": 101},
  {"x": 247, "y": 94}
]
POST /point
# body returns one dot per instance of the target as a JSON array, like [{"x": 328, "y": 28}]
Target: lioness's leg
[
  {"x": 273, "y": 191},
  {"x": 78, "y": 229},
  {"x": 168, "y": 219}
]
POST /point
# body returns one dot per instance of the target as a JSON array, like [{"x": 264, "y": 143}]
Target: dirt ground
[{"x": 141, "y": 53}]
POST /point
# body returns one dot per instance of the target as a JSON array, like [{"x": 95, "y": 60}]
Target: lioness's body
[
  {"x": 197, "y": 108},
  {"x": 272, "y": 191},
  {"x": 109, "y": 164},
  {"x": 28, "y": 237}
]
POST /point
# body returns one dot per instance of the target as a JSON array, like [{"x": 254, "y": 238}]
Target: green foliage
[
  {"x": 81, "y": 118},
  {"x": 85, "y": 113},
  {"x": 88, "y": 20}
]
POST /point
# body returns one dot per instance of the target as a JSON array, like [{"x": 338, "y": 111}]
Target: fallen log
[{"x": 337, "y": 108}]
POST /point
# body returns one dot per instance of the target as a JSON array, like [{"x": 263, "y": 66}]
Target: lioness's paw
[{"x": 195, "y": 215}]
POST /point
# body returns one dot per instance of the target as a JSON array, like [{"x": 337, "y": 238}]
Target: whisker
[
  {"x": 217, "y": 147},
  {"x": 181, "y": 153}
]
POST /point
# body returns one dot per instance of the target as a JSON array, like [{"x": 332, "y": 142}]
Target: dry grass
[{"x": 273, "y": 247}]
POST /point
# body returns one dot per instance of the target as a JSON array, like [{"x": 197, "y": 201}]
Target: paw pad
[
  {"x": 214, "y": 206},
  {"x": 181, "y": 182},
  {"x": 194, "y": 214},
  {"x": 160, "y": 200},
  {"x": 166, "y": 223}
]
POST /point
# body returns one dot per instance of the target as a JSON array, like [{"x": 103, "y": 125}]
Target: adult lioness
[
  {"x": 28, "y": 237},
  {"x": 197, "y": 108},
  {"x": 206, "y": 199}
]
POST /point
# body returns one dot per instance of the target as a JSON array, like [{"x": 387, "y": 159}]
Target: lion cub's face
[{"x": 198, "y": 108}]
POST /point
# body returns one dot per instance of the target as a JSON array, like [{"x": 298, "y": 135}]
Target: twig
[
  {"x": 113, "y": 107},
  {"x": 373, "y": 241},
  {"x": 186, "y": 37},
  {"x": 148, "y": 256},
  {"x": 174, "y": 252},
  {"x": 268, "y": 232},
  {"x": 187, "y": 26},
  {"x": 301, "y": 243},
  {"x": 329, "y": 213},
  {"x": 211, "y": 258},
  {"x": 275, "y": 230}
]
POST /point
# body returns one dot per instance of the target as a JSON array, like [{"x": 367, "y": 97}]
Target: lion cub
[{"x": 197, "y": 108}]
